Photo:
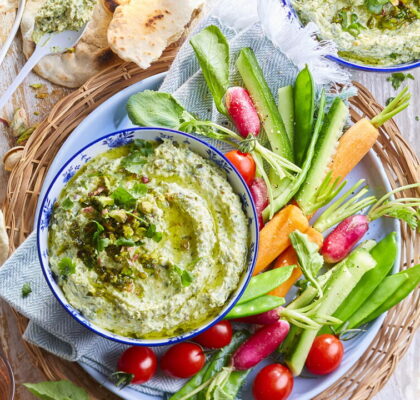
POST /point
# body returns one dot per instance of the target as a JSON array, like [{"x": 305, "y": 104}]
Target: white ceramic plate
[{"x": 111, "y": 116}]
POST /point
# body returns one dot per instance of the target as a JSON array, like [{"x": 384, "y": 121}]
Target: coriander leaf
[
  {"x": 186, "y": 277},
  {"x": 125, "y": 242},
  {"x": 152, "y": 234},
  {"x": 66, "y": 267},
  {"x": 151, "y": 108},
  {"x": 144, "y": 147},
  {"x": 310, "y": 261},
  {"x": 133, "y": 163},
  {"x": 349, "y": 21},
  {"x": 397, "y": 78},
  {"x": 123, "y": 198},
  {"x": 212, "y": 51},
  {"x": 26, "y": 290},
  {"x": 139, "y": 190},
  {"x": 67, "y": 204},
  {"x": 61, "y": 390}
]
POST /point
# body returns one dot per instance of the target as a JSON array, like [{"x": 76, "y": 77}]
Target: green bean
[
  {"x": 304, "y": 108},
  {"x": 402, "y": 292},
  {"x": 257, "y": 306},
  {"x": 266, "y": 282}
]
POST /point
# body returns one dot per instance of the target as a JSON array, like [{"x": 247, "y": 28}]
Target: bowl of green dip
[{"x": 147, "y": 236}]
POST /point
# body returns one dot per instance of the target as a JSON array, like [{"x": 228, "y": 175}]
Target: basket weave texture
[{"x": 400, "y": 162}]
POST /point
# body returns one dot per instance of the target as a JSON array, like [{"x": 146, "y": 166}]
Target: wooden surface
[{"x": 405, "y": 383}]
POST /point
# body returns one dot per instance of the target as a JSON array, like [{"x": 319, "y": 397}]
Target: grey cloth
[{"x": 51, "y": 327}]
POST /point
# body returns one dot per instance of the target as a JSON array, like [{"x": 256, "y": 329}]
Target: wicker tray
[{"x": 375, "y": 367}]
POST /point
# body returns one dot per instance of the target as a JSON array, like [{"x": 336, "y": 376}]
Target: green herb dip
[
  {"x": 374, "y": 32},
  {"x": 148, "y": 240},
  {"x": 61, "y": 15}
]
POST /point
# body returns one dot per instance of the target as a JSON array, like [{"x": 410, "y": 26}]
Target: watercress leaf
[
  {"x": 66, "y": 267},
  {"x": 185, "y": 276},
  {"x": 212, "y": 51},
  {"x": 151, "y": 108},
  {"x": 123, "y": 198},
  {"x": 139, "y": 190},
  {"x": 67, "y": 204},
  {"x": 61, "y": 390},
  {"x": 26, "y": 290},
  {"x": 125, "y": 242}
]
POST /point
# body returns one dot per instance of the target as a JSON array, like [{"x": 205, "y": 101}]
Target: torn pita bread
[
  {"x": 8, "y": 5},
  {"x": 90, "y": 56},
  {"x": 142, "y": 29},
  {"x": 4, "y": 240}
]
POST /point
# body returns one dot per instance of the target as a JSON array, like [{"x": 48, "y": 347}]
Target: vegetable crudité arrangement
[{"x": 294, "y": 156}]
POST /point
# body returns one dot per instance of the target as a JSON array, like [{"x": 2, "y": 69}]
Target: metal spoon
[
  {"x": 13, "y": 31},
  {"x": 50, "y": 43}
]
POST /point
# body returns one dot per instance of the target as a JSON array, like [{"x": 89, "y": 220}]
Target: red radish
[
  {"x": 266, "y": 318},
  {"x": 338, "y": 244},
  {"x": 243, "y": 112},
  {"x": 260, "y": 345},
  {"x": 259, "y": 194}
]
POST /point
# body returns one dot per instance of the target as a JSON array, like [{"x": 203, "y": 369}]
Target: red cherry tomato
[
  {"x": 216, "y": 337},
  {"x": 325, "y": 355},
  {"x": 183, "y": 360},
  {"x": 244, "y": 163},
  {"x": 273, "y": 382},
  {"x": 140, "y": 362}
]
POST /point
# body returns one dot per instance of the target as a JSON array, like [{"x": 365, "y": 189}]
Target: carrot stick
[
  {"x": 352, "y": 147},
  {"x": 289, "y": 257},
  {"x": 274, "y": 237}
]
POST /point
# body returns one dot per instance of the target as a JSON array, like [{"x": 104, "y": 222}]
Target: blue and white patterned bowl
[
  {"x": 351, "y": 64},
  {"x": 121, "y": 138}
]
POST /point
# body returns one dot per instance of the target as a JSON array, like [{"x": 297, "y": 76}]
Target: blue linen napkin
[{"x": 246, "y": 23}]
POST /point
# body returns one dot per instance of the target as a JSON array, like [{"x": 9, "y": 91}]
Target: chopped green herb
[
  {"x": 375, "y": 6},
  {"x": 134, "y": 162},
  {"x": 26, "y": 290},
  {"x": 186, "y": 277},
  {"x": 349, "y": 21},
  {"x": 125, "y": 242},
  {"x": 67, "y": 204},
  {"x": 99, "y": 243},
  {"x": 139, "y": 190},
  {"x": 397, "y": 78},
  {"x": 66, "y": 267},
  {"x": 152, "y": 234},
  {"x": 123, "y": 198},
  {"x": 144, "y": 147},
  {"x": 388, "y": 100}
]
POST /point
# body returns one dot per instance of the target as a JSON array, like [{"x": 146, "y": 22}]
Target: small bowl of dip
[
  {"x": 147, "y": 236},
  {"x": 369, "y": 37}
]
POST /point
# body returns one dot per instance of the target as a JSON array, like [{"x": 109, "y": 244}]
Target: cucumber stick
[
  {"x": 337, "y": 288},
  {"x": 264, "y": 102},
  {"x": 324, "y": 151},
  {"x": 286, "y": 109}
]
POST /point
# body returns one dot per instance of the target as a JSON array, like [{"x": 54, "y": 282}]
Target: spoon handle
[{"x": 32, "y": 61}]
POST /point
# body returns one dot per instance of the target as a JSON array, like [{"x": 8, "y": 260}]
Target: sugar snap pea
[
  {"x": 402, "y": 292},
  {"x": 304, "y": 108},
  {"x": 229, "y": 390},
  {"x": 257, "y": 306},
  {"x": 266, "y": 282},
  {"x": 192, "y": 384}
]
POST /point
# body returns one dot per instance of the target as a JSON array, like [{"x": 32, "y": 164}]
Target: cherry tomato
[
  {"x": 140, "y": 362},
  {"x": 244, "y": 163},
  {"x": 273, "y": 382},
  {"x": 325, "y": 355},
  {"x": 216, "y": 337},
  {"x": 183, "y": 360}
]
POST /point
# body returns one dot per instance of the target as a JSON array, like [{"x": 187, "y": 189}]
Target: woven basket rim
[{"x": 398, "y": 159}]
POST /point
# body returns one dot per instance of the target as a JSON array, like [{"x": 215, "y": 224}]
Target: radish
[
  {"x": 243, "y": 112},
  {"x": 259, "y": 194},
  {"x": 266, "y": 318},
  {"x": 338, "y": 244},
  {"x": 260, "y": 345}
]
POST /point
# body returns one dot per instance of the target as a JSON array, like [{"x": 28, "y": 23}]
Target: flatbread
[
  {"x": 4, "y": 240},
  {"x": 91, "y": 55},
  {"x": 8, "y": 5},
  {"x": 141, "y": 29}
]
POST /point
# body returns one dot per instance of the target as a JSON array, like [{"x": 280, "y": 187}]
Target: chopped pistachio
[
  {"x": 41, "y": 95},
  {"x": 20, "y": 122},
  {"x": 36, "y": 86}
]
